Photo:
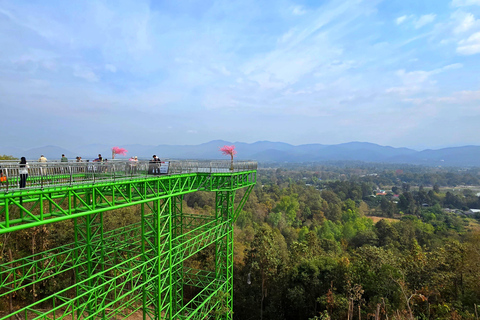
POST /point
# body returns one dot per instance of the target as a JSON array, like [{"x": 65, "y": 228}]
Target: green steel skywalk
[{"x": 139, "y": 269}]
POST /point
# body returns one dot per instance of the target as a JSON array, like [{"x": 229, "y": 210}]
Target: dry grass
[
  {"x": 375, "y": 219},
  {"x": 473, "y": 225}
]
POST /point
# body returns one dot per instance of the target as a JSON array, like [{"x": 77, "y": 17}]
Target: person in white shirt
[{"x": 42, "y": 159}]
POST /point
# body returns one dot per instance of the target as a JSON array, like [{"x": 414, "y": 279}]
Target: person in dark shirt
[
  {"x": 154, "y": 165},
  {"x": 23, "y": 172}
]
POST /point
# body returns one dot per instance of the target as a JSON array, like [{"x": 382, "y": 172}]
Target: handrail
[{"x": 43, "y": 174}]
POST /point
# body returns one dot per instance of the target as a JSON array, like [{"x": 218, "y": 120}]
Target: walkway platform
[{"x": 42, "y": 175}]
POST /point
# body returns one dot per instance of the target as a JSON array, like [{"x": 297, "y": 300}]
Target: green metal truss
[{"x": 139, "y": 268}]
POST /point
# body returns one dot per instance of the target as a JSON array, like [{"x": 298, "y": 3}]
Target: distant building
[{"x": 456, "y": 211}]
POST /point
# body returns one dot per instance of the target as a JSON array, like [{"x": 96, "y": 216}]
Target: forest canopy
[{"x": 328, "y": 242}]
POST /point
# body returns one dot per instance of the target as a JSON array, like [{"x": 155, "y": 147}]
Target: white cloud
[
  {"x": 111, "y": 68},
  {"x": 309, "y": 90},
  {"x": 412, "y": 82},
  {"x": 448, "y": 67},
  {"x": 400, "y": 20},
  {"x": 306, "y": 47},
  {"x": 298, "y": 10},
  {"x": 462, "y": 3},
  {"x": 221, "y": 69},
  {"x": 464, "y": 22},
  {"x": 38, "y": 23},
  {"x": 267, "y": 81},
  {"x": 220, "y": 64},
  {"x": 215, "y": 99},
  {"x": 467, "y": 100},
  {"x": 416, "y": 81},
  {"x": 85, "y": 73},
  {"x": 469, "y": 46},
  {"x": 418, "y": 76},
  {"x": 468, "y": 96},
  {"x": 286, "y": 37},
  {"x": 424, "y": 20},
  {"x": 417, "y": 23}
]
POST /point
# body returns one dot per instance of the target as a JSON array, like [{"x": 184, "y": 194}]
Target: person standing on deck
[
  {"x": 64, "y": 159},
  {"x": 133, "y": 164},
  {"x": 23, "y": 172},
  {"x": 42, "y": 159},
  {"x": 157, "y": 165},
  {"x": 153, "y": 165}
]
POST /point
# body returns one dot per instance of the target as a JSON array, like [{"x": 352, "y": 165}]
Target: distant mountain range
[{"x": 266, "y": 151}]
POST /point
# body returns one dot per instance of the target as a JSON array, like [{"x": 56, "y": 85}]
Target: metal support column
[
  {"x": 90, "y": 260},
  {"x": 177, "y": 267},
  {"x": 150, "y": 273},
  {"x": 224, "y": 210},
  {"x": 165, "y": 258}
]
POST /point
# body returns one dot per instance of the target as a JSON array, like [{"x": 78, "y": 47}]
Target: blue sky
[{"x": 396, "y": 72}]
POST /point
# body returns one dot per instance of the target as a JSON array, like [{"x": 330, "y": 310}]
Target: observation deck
[
  {"x": 55, "y": 173},
  {"x": 144, "y": 264}
]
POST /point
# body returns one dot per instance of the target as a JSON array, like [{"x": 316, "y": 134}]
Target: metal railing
[{"x": 41, "y": 174}]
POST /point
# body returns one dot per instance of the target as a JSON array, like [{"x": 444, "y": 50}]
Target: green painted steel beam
[
  {"x": 144, "y": 190},
  {"x": 138, "y": 268}
]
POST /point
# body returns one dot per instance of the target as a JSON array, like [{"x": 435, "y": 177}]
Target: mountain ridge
[{"x": 268, "y": 151}]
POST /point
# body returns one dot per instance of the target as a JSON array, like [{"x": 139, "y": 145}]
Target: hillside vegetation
[
  {"x": 306, "y": 248},
  {"x": 311, "y": 243}
]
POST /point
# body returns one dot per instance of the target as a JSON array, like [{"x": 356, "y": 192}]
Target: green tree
[
  {"x": 373, "y": 269},
  {"x": 387, "y": 235},
  {"x": 5, "y": 157},
  {"x": 264, "y": 259},
  {"x": 407, "y": 203},
  {"x": 309, "y": 280},
  {"x": 289, "y": 206},
  {"x": 387, "y": 207}
]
